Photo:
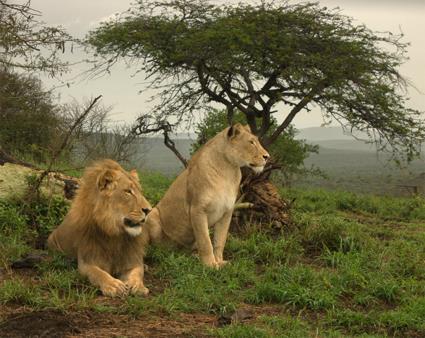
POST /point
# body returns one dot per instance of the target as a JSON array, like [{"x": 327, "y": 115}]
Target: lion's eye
[
  {"x": 128, "y": 191},
  {"x": 252, "y": 142}
]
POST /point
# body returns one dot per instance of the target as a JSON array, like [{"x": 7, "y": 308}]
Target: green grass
[
  {"x": 353, "y": 266},
  {"x": 13, "y": 233},
  {"x": 154, "y": 185}
]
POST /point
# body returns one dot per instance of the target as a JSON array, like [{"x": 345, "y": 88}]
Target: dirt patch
[
  {"x": 182, "y": 325},
  {"x": 24, "y": 323},
  {"x": 38, "y": 324}
]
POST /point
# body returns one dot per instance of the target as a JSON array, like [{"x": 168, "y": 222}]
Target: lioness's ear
[
  {"x": 234, "y": 130},
  {"x": 247, "y": 128},
  {"x": 134, "y": 174},
  {"x": 105, "y": 179}
]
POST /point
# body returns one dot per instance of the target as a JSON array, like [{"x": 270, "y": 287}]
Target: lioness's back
[{"x": 173, "y": 211}]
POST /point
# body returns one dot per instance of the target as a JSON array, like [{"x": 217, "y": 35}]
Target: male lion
[
  {"x": 204, "y": 194},
  {"x": 102, "y": 229}
]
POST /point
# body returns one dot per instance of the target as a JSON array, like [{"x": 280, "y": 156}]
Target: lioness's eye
[
  {"x": 128, "y": 191},
  {"x": 252, "y": 142}
]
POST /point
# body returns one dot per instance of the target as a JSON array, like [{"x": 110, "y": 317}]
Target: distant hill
[
  {"x": 153, "y": 155},
  {"x": 336, "y": 138},
  {"x": 345, "y": 145},
  {"x": 326, "y": 133}
]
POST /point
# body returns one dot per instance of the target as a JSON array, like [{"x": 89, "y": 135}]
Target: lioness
[
  {"x": 102, "y": 229},
  {"x": 204, "y": 194}
]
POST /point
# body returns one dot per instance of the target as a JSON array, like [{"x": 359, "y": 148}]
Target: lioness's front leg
[
  {"x": 109, "y": 285},
  {"x": 221, "y": 229},
  {"x": 134, "y": 280},
  {"x": 199, "y": 222}
]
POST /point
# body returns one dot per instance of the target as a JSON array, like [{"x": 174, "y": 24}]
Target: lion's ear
[
  {"x": 134, "y": 174},
  {"x": 105, "y": 180},
  {"x": 234, "y": 130},
  {"x": 247, "y": 128}
]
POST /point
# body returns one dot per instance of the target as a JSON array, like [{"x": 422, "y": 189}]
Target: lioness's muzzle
[{"x": 132, "y": 223}]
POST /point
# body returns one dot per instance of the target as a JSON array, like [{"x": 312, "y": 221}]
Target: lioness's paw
[
  {"x": 222, "y": 263},
  {"x": 209, "y": 261},
  {"x": 137, "y": 288},
  {"x": 114, "y": 288}
]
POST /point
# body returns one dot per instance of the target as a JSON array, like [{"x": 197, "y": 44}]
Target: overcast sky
[{"x": 121, "y": 90}]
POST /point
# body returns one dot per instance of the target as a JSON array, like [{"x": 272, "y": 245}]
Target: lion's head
[
  {"x": 111, "y": 199},
  {"x": 245, "y": 148}
]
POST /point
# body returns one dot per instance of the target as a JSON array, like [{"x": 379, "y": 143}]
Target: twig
[
  {"x": 77, "y": 122},
  {"x": 245, "y": 205}
]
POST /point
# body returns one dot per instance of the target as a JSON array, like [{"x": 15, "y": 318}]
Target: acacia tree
[{"x": 253, "y": 57}]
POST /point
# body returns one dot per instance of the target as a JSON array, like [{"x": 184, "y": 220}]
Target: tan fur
[
  {"x": 204, "y": 194},
  {"x": 94, "y": 231}
]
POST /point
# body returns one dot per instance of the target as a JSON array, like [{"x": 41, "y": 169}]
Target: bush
[{"x": 30, "y": 122}]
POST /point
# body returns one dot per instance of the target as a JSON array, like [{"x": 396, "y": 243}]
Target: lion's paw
[
  {"x": 137, "y": 288},
  {"x": 114, "y": 288}
]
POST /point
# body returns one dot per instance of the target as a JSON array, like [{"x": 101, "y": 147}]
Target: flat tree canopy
[{"x": 251, "y": 57}]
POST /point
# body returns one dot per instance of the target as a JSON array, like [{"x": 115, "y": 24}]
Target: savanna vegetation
[
  {"x": 346, "y": 265},
  {"x": 352, "y": 266}
]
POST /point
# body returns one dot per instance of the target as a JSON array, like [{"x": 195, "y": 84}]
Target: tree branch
[
  {"x": 295, "y": 110},
  {"x": 203, "y": 80},
  {"x": 252, "y": 113},
  {"x": 146, "y": 126},
  {"x": 169, "y": 143}
]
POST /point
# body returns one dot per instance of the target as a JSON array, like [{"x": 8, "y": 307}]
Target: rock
[
  {"x": 29, "y": 261},
  {"x": 236, "y": 317}
]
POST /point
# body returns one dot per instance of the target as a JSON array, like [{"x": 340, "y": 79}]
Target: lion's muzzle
[{"x": 131, "y": 223}]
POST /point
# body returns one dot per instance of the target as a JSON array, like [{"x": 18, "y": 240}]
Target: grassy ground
[{"x": 351, "y": 266}]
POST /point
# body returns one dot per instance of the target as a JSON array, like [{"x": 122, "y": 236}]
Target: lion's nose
[
  {"x": 146, "y": 210},
  {"x": 131, "y": 223},
  {"x": 266, "y": 157}
]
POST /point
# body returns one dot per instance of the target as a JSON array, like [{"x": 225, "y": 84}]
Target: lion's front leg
[
  {"x": 199, "y": 224},
  {"x": 134, "y": 281},
  {"x": 221, "y": 230},
  {"x": 109, "y": 285}
]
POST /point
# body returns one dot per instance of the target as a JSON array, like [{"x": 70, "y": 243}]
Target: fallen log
[{"x": 14, "y": 174}]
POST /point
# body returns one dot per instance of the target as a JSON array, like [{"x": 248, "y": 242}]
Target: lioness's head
[
  {"x": 119, "y": 206},
  {"x": 245, "y": 148}
]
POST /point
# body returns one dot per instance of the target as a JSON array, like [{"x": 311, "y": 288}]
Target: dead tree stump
[{"x": 266, "y": 206}]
